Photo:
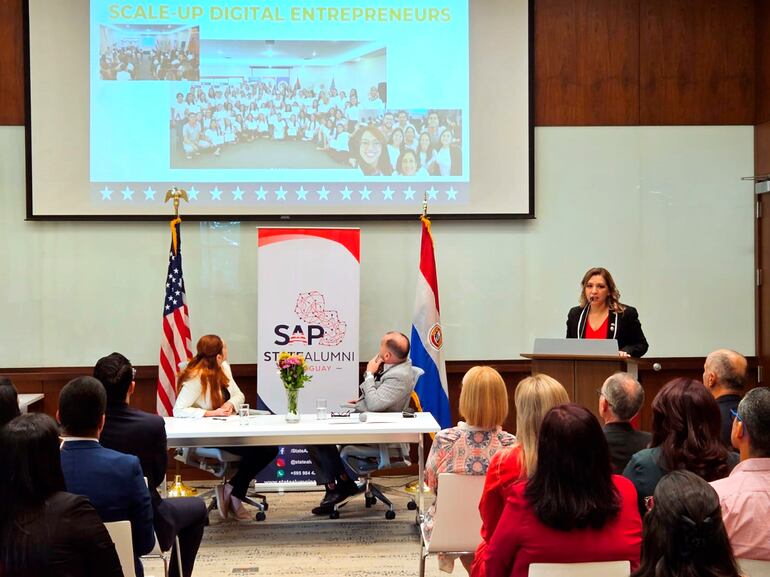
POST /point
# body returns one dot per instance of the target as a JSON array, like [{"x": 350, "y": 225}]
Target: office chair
[
  {"x": 219, "y": 463},
  {"x": 363, "y": 460}
]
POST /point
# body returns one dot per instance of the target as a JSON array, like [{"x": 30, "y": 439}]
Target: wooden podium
[{"x": 582, "y": 375}]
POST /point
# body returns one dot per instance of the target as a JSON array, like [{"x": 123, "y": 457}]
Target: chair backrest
[
  {"x": 599, "y": 569},
  {"x": 120, "y": 533},
  {"x": 417, "y": 372},
  {"x": 754, "y": 567},
  {"x": 457, "y": 522}
]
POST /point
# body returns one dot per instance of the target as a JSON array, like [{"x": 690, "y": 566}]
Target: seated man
[
  {"x": 724, "y": 374},
  {"x": 387, "y": 387},
  {"x": 135, "y": 432},
  {"x": 745, "y": 493},
  {"x": 621, "y": 397},
  {"x": 112, "y": 481}
]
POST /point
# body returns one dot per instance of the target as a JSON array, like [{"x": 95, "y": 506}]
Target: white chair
[
  {"x": 120, "y": 533},
  {"x": 165, "y": 556},
  {"x": 456, "y": 522},
  {"x": 599, "y": 569},
  {"x": 363, "y": 460},
  {"x": 754, "y": 567}
]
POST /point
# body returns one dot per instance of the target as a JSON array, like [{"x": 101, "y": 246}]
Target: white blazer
[{"x": 192, "y": 403}]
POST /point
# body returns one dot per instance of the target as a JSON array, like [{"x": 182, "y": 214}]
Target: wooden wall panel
[
  {"x": 11, "y": 63},
  {"x": 697, "y": 62},
  {"x": 762, "y": 31},
  {"x": 586, "y": 62},
  {"x": 50, "y": 381},
  {"x": 762, "y": 148}
]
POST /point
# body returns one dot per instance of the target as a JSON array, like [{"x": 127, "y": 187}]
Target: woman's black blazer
[{"x": 625, "y": 327}]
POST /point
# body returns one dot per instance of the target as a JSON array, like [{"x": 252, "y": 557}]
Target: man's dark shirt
[
  {"x": 624, "y": 441},
  {"x": 726, "y": 404}
]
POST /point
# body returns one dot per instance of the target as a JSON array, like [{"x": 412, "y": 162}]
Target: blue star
[
  {"x": 451, "y": 193},
  {"x": 388, "y": 193},
  {"x": 364, "y": 192},
  {"x": 238, "y": 193},
  {"x": 261, "y": 193},
  {"x": 193, "y": 193},
  {"x": 346, "y": 192},
  {"x": 127, "y": 193},
  {"x": 280, "y": 194},
  {"x": 432, "y": 193},
  {"x": 409, "y": 193},
  {"x": 149, "y": 193},
  {"x": 323, "y": 194},
  {"x": 216, "y": 194},
  {"x": 106, "y": 193},
  {"x": 301, "y": 193}
]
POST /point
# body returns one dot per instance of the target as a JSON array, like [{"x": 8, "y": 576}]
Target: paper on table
[{"x": 370, "y": 418}]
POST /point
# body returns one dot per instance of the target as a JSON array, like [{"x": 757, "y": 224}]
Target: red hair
[{"x": 204, "y": 365}]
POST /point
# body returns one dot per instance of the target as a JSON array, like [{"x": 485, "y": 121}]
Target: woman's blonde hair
[
  {"x": 483, "y": 398},
  {"x": 533, "y": 398}
]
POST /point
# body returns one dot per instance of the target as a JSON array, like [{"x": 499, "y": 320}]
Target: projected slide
[
  {"x": 312, "y": 109},
  {"x": 281, "y": 104}
]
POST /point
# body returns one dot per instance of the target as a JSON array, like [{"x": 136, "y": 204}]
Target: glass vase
[{"x": 292, "y": 415}]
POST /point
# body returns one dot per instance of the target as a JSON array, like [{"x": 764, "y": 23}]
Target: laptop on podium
[{"x": 576, "y": 347}]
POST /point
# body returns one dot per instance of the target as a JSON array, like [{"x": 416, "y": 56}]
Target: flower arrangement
[{"x": 292, "y": 369}]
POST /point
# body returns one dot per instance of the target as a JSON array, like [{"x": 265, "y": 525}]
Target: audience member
[
  {"x": 135, "y": 432},
  {"x": 534, "y": 397},
  {"x": 685, "y": 435},
  {"x": 467, "y": 448},
  {"x": 745, "y": 494},
  {"x": 44, "y": 531},
  {"x": 112, "y": 481},
  {"x": 9, "y": 401},
  {"x": 387, "y": 387},
  {"x": 572, "y": 509},
  {"x": 724, "y": 374},
  {"x": 620, "y": 400},
  {"x": 683, "y": 531}
]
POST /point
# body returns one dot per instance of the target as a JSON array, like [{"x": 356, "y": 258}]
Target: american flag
[{"x": 175, "y": 344}]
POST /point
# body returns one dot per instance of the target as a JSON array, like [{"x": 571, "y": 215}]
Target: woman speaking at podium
[{"x": 601, "y": 315}]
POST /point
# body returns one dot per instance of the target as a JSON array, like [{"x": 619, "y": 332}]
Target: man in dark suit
[
  {"x": 135, "y": 432},
  {"x": 724, "y": 374},
  {"x": 112, "y": 481},
  {"x": 620, "y": 399}
]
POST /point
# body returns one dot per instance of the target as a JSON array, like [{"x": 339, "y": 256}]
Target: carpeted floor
[{"x": 292, "y": 541}]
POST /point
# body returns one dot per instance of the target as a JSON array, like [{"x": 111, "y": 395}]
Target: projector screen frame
[{"x": 31, "y": 216}]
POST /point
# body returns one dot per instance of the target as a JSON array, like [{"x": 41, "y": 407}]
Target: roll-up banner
[{"x": 308, "y": 293}]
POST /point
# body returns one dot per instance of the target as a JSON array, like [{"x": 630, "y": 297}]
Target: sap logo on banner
[{"x": 298, "y": 335}]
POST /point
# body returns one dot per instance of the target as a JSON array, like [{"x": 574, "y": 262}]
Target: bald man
[
  {"x": 387, "y": 387},
  {"x": 724, "y": 375},
  {"x": 620, "y": 400}
]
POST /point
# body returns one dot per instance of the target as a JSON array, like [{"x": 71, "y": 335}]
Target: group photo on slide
[
  {"x": 148, "y": 52},
  {"x": 320, "y": 116}
]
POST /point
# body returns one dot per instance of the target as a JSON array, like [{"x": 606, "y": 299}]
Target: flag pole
[
  {"x": 413, "y": 487},
  {"x": 178, "y": 487}
]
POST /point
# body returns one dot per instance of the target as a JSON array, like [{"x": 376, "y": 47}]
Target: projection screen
[{"x": 286, "y": 109}]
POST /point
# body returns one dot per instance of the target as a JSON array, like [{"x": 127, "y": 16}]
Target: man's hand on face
[{"x": 374, "y": 365}]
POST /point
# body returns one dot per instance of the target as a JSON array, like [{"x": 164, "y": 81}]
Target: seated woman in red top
[
  {"x": 573, "y": 509},
  {"x": 601, "y": 315},
  {"x": 534, "y": 397}
]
